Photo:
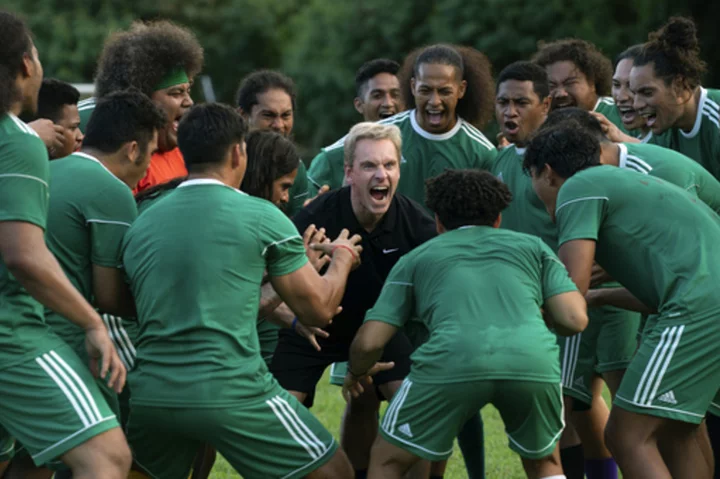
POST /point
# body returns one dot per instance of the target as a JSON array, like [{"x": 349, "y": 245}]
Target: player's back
[
  {"x": 479, "y": 291},
  {"x": 656, "y": 239},
  {"x": 196, "y": 260}
]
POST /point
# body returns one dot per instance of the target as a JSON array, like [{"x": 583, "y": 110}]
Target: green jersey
[
  {"x": 702, "y": 143},
  {"x": 424, "y": 155},
  {"x": 90, "y": 211},
  {"x": 672, "y": 167},
  {"x": 299, "y": 192},
  {"x": 606, "y": 106},
  {"x": 85, "y": 109},
  {"x": 479, "y": 291},
  {"x": 195, "y": 267},
  {"x": 643, "y": 228},
  {"x": 526, "y": 213},
  {"x": 24, "y": 193}
]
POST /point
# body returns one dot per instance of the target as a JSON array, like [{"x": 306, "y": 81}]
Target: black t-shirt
[{"x": 404, "y": 226}]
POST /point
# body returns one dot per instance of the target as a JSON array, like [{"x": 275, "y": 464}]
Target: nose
[
  {"x": 559, "y": 91},
  {"x": 277, "y": 124},
  {"x": 638, "y": 104},
  {"x": 511, "y": 110},
  {"x": 381, "y": 173},
  {"x": 187, "y": 101},
  {"x": 434, "y": 98},
  {"x": 285, "y": 197}
]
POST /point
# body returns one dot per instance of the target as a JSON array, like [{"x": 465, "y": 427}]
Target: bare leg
[
  {"x": 590, "y": 424},
  {"x": 686, "y": 450},
  {"x": 613, "y": 380},
  {"x": 545, "y": 467},
  {"x": 359, "y": 428},
  {"x": 572, "y": 459},
  {"x": 204, "y": 462},
  {"x": 632, "y": 438},
  {"x": 106, "y": 455},
  {"x": 338, "y": 466},
  {"x": 388, "y": 461},
  {"x": 299, "y": 396}
]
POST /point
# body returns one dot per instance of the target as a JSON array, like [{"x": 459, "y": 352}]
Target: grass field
[{"x": 500, "y": 461}]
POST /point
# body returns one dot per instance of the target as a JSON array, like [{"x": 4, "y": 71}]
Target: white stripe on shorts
[
  {"x": 657, "y": 366},
  {"x": 307, "y": 432},
  {"x": 391, "y": 415},
  {"x": 570, "y": 357},
  {"x": 68, "y": 388},
  {"x": 292, "y": 427}
]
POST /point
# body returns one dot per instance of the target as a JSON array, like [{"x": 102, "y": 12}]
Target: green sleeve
[
  {"x": 327, "y": 168},
  {"x": 555, "y": 277},
  {"x": 707, "y": 189},
  {"x": 108, "y": 217},
  {"x": 580, "y": 211},
  {"x": 282, "y": 246},
  {"x": 487, "y": 159},
  {"x": 300, "y": 191},
  {"x": 396, "y": 303},
  {"x": 24, "y": 180}
]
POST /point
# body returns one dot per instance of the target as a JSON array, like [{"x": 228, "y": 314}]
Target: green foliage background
[{"x": 320, "y": 43}]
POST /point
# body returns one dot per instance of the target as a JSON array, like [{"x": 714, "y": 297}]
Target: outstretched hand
[
  {"x": 343, "y": 244},
  {"x": 354, "y": 386},
  {"x": 312, "y": 235}
]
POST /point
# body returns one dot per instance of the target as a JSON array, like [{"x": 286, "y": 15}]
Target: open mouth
[
  {"x": 627, "y": 114},
  {"x": 650, "y": 119},
  {"x": 435, "y": 117},
  {"x": 385, "y": 114},
  {"x": 511, "y": 128},
  {"x": 379, "y": 193}
]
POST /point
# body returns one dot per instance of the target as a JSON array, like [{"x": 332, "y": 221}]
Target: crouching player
[{"x": 479, "y": 290}]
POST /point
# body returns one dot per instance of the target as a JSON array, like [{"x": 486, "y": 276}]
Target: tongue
[
  {"x": 378, "y": 195},
  {"x": 628, "y": 117},
  {"x": 435, "y": 118},
  {"x": 651, "y": 120}
]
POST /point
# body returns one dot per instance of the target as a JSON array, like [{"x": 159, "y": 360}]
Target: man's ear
[
  {"x": 132, "y": 151},
  {"x": 439, "y": 227},
  {"x": 358, "y": 103}
]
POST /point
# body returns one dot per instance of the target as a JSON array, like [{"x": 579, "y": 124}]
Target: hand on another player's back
[{"x": 344, "y": 245}]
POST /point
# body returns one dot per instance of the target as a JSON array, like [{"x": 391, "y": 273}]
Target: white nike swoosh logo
[{"x": 387, "y": 251}]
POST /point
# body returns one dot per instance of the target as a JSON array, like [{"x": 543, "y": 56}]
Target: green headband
[{"x": 175, "y": 76}]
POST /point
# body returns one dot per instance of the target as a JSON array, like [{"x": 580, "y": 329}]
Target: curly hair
[
  {"x": 567, "y": 148},
  {"x": 143, "y": 55},
  {"x": 269, "y": 156},
  {"x": 674, "y": 51},
  {"x": 466, "y": 197},
  {"x": 587, "y": 57},
  {"x": 478, "y": 105},
  {"x": 16, "y": 41},
  {"x": 259, "y": 82}
]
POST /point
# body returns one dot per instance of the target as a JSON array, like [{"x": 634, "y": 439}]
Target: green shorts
[
  {"x": 7, "y": 445},
  {"x": 52, "y": 404},
  {"x": 425, "y": 419},
  {"x": 338, "y": 371},
  {"x": 607, "y": 344},
  {"x": 675, "y": 373},
  {"x": 269, "y": 436}
]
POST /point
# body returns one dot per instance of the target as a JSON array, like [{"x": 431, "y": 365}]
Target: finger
[
  {"x": 323, "y": 189},
  {"x": 324, "y": 247},
  {"x": 313, "y": 341},
  {"x": 94, "y": 367},
  {"x": 346, "y": 394},
  {"x": 321, "y": 332},
  {"x": 338, "y": 310},
  {"x": 355, "y": 239},
  {"x": 308, "y": 234},
  {"x": 105, "y": 358},
  {"x": 343, "y": 234},
  {"x": 378, "y": 367}
]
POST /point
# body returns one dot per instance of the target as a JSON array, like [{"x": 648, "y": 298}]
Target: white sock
[{"x": 559, "y": 476}]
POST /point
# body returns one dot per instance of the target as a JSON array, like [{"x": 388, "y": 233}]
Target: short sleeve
[
  {"x": 555, "y": 277},
  {"x": 300, "y": 191},
  {"x": 108, "y": 217},
  {"x": 486, "y": 158},
  {"x": 579, "y": 211},
  {"x": 396, "y": 303},
  {"x": 282, "y": 246},
  {"x": 24, "y": 180},
  {"x": 327, "y": 168}
]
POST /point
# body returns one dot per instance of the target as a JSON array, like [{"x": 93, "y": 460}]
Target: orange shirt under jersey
[{"x": 163, "y": 167}]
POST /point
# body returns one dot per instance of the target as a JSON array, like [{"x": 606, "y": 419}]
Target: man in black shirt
[{"x": 390, "y": 225}]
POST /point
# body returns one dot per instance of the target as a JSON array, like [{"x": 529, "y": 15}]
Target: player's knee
[{"x": 338, "y": 466}]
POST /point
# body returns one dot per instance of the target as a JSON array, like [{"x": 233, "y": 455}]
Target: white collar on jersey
[
  {"x": 431, "y": 136},
  {"x": 22, "y": 125},
  {"x": 622, "y": 163},
  {"x": 92, "y": 158},
  {"x": 518, "y": 150},
  {"x": 207, "y": 181},
  {"x": 698, "y": 117}
]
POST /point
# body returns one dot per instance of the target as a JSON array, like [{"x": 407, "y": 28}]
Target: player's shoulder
[
  {"x": 15, "y": 131},
  {"x": 477, "y": 139},
  {"x": 711, "y": 108},
  {"x": 589, "y": 182}
]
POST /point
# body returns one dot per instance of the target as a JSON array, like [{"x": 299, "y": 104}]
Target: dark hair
[
  {"x": 269, "y": 156},
  {"x": 259, "y": 82},
  {"x": 121, "y": 117},
  {"x": 206, "y": 132},
  {"x": 54, "y": 95},
  {"x": 157, "y": 190},
  {"x": 630, "y": 53},
  {"x": 466, "y": 197},
  {"x": 567, "y": 148},
  {"x": 16, "y": 43},
  {"x": 371, "y": 68},
  {"x": 674, "y": 51},
  {"x": 144, "y": 55},
  {"x": 578, "y": 117},
  {"x": 586, "y": 56},
  {"x": 527, "y": 71},
  {"x": 478, "y": 105}
]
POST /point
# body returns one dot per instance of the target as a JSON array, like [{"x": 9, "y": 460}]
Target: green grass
[{"x": 329, "y": 405}]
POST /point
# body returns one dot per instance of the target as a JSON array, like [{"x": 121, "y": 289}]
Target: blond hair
[{"x": 370, "y": 131}]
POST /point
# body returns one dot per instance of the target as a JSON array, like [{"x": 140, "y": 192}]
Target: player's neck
[
  {"x": 214, "y": 174},
  {"x": 686, "y": 122},
  {"x": 16, "y": 108},
  {"x": 609, "y": 153},
  {"x": 367, "y": 219},
  {"x": 112, "y": 162}
]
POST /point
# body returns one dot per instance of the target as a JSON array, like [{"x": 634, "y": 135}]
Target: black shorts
[{"x": 297, "y": 366}]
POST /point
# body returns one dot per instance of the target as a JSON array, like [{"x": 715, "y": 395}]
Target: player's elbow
[
  {"x": 576, "y": 321},
  {"x": 21, "y": 263}
]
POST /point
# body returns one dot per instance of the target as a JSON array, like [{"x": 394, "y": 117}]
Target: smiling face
[
  {"x": 654, "y": 99},
  {"x": 273, "y": 111},
  {"x": 437, "y": 90},
  {"x": 373, "y": 177},
  {"x": 624, "y": 97},
  {"x": 381, "y": 98},
  {"x": 519, "y": 111},
  {"x": 570, "y": 87},
  {"x": 174, "y": 101}
]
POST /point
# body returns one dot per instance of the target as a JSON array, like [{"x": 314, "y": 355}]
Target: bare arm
[
  {"x": 314, "y": 298},
  {"x": 618, "y": 297},
  {"x": 269, "y": 301},
  {"x": 567, "y": 313},
  {"x": 112, "y": 293},
  {"x": 365, "y": 352},
  {"x": 578, "y": 257},
  {"x": 23, "y": 250}
]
